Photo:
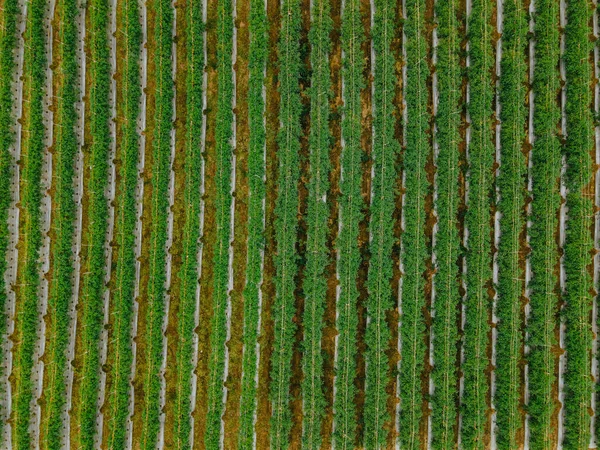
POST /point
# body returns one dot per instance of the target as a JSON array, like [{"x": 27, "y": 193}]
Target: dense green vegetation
[
  {"x": 391, "y": 139},
  {"x": 256, "y": 213},
  {"x": 578, "y": 240},
  {"x": 60, "y": 297},
  {"x": 286, "y": 222},
  {"x": 350, "y": 205},
  {"x": 118, "y": 393},
  {"x": 96, "y": 173},
  {"x": 161, "y": 174},
  {"x": 447, "y": 245},
  {"x": 480, "y": 177},
  {"x": 32, "y": 160},
  {"x": 385, "y": 152},
  {"x": 188, "y": 274},
  {"x": 8, "y": 41},
  {"x": 224, "y": 160},
  {"x": 545, "y": 173},
  {"x": 317, "y": 216},
  {"x": 511, "y": 183},
  {"x": 415, "y": 251}
]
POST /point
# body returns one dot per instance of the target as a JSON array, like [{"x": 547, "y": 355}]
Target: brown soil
[
  {"x": 363, "y": 238},
  {"x": 329, "y": 329},
  {"x": 178, "y": 209},
  {"x": 235, "y": 344},
  {"x": 297, "y": 372},
  {"x": 462, "y": 208},
  {"x": 268, "y": 286},
  {"x": 140, "y": 339},
  {"x": 393, "y": 316},
  {"x": 430, "y": 221},
  {"x": 208, "y": 237}
]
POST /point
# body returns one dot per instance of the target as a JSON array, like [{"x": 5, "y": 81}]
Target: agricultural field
[{"x": 299, "y": 224}]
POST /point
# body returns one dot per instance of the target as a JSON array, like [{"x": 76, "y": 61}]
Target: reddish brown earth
[
  {"x": 206, "y": 277},
  {"x": 178, "y": 210},
  {"x": 367, "y": 145},
  {"x": 268, "y": 287},
  {"x": 240, "y": 235},
  {"x": 141, "y": 366}
]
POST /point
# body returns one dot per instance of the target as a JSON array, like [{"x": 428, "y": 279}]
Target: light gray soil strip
[
  {"x": 562, "y": 224},
  {"x": 46, "y": 208},
  {"x": 232, "y": 218},
  {"x": 596, "y": 225},
  {"x": 141, "y": 126},
  {"x": 436, "y": 151},
  {"x": 201, "y": 246},
  {"x": 496, "y": 226},
  {"x": 111, "y": 217},
  {"x": 10, "y": 276},
  {"x": 167, "y": 298},
  {"x": 78, "y": 228},
  {"x": 402, "y": 216}
]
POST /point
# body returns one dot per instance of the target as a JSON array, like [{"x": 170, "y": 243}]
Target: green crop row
[
  {"x": 286, "y": 222},
  {"x": 578, "y": 239},
  {"x": 120, "y": 343},
  {"x": 351, "y": 205},
  {"x": 34, "y": 146},
  {"x": 94, "y": 288},
  {"x": 448, "y": 240},
  {"x": 415, "y": 251},
  {"x": 383, "y": 192},
  {"x": 223, "y": 199},
  {"x": 317, "y": 216},
  {"x": 511, "y": 183},
  {"x": 8, "y": 43},
  {"x": 61, "y": 285},
  {"x": 188, "y": 274},
  {"x": 478, "y": 257},
  {"x": 256, "y": 212},
  {"x": 542, "y": 322},
  {"x": 159, "y": 210}
]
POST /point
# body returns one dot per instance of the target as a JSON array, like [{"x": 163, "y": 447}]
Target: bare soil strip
[
  {"x": 240, "y": 231},
  {"x": 209, "y": 228},
  {"x": 13, "y": 228}
]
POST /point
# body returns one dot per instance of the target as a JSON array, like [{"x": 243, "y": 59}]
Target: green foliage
[
  {"x": 224, "y": 157},
  {"x": 161, "y": 173},
  {"x": 286, "y": 222},
  {"x": 317, "y": 216},
  {"x": 385, "y": 152},
  {"x": 447, "y": 244},
  {"x": 188, "y": 274},
  {"x": 478, "y": 218},
  {"x": 256, "y": 212},
  {"x": 8, "y": 42},
  {"x": 61, "y": 285},
  {"x": 120, "y": 342},
  {"x": 32, "y": 159},
  {"x": 415, "y": 251},
  {"x": 511, "y": 183},
  {"x": 351, "y": 205},
  {"x": 578, "y": 240},
  {"x": 545, "y": 172},
  {"x": 92, "y": 300}
]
